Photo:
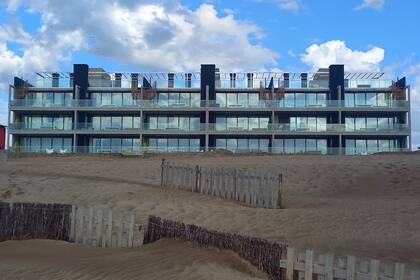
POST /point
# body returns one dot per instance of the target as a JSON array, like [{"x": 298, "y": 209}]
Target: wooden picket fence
[
  {"x": 280, "y": 261},
  {"x": 258, "y": 190},
  {"x": 308, "y": 266},
  {"x": 105, "y": 228}
]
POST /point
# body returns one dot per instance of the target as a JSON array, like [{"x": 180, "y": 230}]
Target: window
[
  {"x": 349, "y": 99},
  {"x": 360, "y": 99},
  {"x": 253, "y": 100},
  {"x": 163, "y": 99},
  {"x": 232, "y": 99},
  {"x": 289, "y": 100}
]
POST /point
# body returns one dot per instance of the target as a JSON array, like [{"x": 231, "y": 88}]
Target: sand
[
  {"x": 363, "y": 205},
  {"x": 165, "y": 259}
]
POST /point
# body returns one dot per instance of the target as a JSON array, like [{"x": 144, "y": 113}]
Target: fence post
[
  {"x": 161, "y": 172},
  {"x": 196, "y": 176},
  {"x": 289, "y": 263},
  {"x": 280, "y": 192},
  {"x": 309, "y": 257},
  {"x": 329, "y": 267},
  {"x": 351, "y": 268},
  {"x": 73, "y": 224}
]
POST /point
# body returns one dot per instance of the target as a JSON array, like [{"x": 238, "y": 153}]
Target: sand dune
[
  {"x": 367, "y": 205},
  {"x": 165, "y": 259}
]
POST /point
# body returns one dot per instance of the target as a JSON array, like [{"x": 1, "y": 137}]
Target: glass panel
[
  {"x": 163, "y": 99},
  {"x": 173, "y": 98},
  {"x": 311, "y": 99},
  {"x": 289, "y": 146},
  {"x": 232, "y": 144},
  {"x": 253, "y": 123},
  {"x": 312, "y": 125},
  {"x": 162, "y": 122},
  {"x": 322, "y": 99},
  {"x": 360, "y": 146},
  {"x": 127, "y": 122},
  {"x": 153, "y": 143},
  {"x": 279, "y": 145},
  {"x": 195, "y": 100},
  {"x": 232, "y": 99},
  {"x": 349, "y": 124},
  {"x": 360, "y": 123},
  {"x": 372, "y": 146},
  {"x": 264, "y": 143},
  {"x": 232, "y": 123},
  {"x": 220, "y": 123},
  {"x": 372, "y": 123},
  {"x": 383, "y": 123},
  {"x": 243, "y": 99},
  {"x": 253, "y": 145},
  {"x": 106, "y": 99},
  {"x": 173, "y": 122},
  {"x": 350, "y": 146},
  {"x": 289, "y": 100},
  {"x": 253, "y": 100},
  {"x": 47, "y": 122},
  {"x": 127, "y": 99},
  {"x": 116, "y": 145},
  {"x": 360, "y": 99},
  {"x": 153, "y": 123},
  {"x": 127, "y": 144},
  {"x": 243, "y": 123},
  {"x": 220, "y": 143},
  {"x": 221, "y": 99},
  {"x": 381, "y": 99},
  {"x": 383, "y": 145},
  {"x": 371, "y": 99},
  {"x": 57, "y": 143},
  {"x": 68, "y": 144},
  {"x": 194, "y": 145},
  {"x": 322, "y": 124},
  {"x": 349, "y": 99},
  {"x": 322, "y": 145},
  {"x": 184, "y": 145},
  {"x": 116, "y": 122},
  {"x": 162, "y": 144},
  {"x": 300, "y": 145},
  {"x": 300, "y": 100},
  {"x": 46, "y": 143},
  {"x": 311, "y": 145},
  {"x": 117, "y": 98},
  {"x": 264, "y": 122},
  {"x": 184, "y": 99},
  {"x": 242, "y": 145},
  {"x": 136, "y": 145},
  {"x": 172, "y": 144},
  {"x": 194, "y": 124}
]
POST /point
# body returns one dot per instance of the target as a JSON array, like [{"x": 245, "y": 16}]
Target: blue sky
[{"x": 283, "y": 35}]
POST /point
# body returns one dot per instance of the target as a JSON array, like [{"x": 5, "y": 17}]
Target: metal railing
[
  {"x": 131, "y": 150},
  {"x": 214, "y": 127},
  {"x": 269, "y": 104}
]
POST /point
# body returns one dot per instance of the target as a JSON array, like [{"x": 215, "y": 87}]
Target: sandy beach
[{"x": 362, "y": 205}]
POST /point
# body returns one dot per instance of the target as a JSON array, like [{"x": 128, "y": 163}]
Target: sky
[{"x": 179, "y": 35}]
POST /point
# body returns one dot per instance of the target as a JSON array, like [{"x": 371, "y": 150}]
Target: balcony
[
  {"x": 216, "y": 128},
  {"x": 262, "y": 104}
]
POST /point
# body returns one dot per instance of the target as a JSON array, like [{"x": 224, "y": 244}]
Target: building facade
[{"x": 327, "y": 112}]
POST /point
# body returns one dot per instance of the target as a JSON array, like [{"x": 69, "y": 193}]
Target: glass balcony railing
[
  {"x": 134, "y": 150},
  {"x": 269, "y": 104},
  {"x": 215, "y": 127}
]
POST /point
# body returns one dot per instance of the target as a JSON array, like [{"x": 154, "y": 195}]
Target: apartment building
[{"x": 327, "y": 112}]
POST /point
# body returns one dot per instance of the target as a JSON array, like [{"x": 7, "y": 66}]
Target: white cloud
[
  {"x": 164, "y": 35},
  {"x": 336, "y": 52},
  {"x": 374, "y": 4},
  {"x": 289, "y": 5}
]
